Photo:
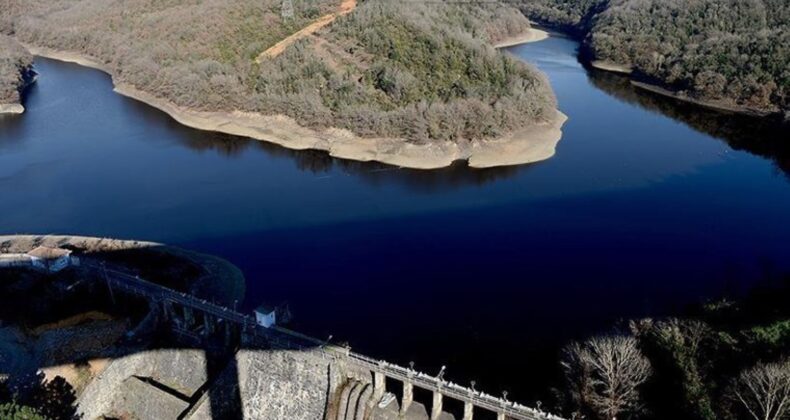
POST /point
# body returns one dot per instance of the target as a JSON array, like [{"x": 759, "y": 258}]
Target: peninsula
[{"x": 416, "y": 85}]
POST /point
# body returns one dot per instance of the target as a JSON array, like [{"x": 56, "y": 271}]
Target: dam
[{"x": 276, "y": 372}]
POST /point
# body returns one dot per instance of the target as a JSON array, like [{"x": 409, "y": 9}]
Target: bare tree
[
  {"x": 605, "y": 374},
  {"x": 764, "y": 390}
]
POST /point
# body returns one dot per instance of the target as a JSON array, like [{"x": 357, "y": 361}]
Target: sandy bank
[
  {"x": 532, "y": 35},
  {"x": 612, "y": 67},
  {"x": 11, "y": 109},
  {"x": 715, "y": 105},
  {"x": 530, "y": 145}
]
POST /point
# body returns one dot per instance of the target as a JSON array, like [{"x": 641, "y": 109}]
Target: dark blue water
[{"x": 647, "y": 207}]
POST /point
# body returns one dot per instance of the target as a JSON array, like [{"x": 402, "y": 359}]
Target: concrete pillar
[
  {"x": 379, "y": 386},
  {"x": 353, "y": 401},
  {"x": 436, "y": 407},
  {"x": 228, "y": 333},
  {"x": 208, "y": 322},
  {"x": 189, "y": 317},
  {"x": 343, "y": 406},
  {"x": 177, "y": 315},
  {"x": 408, "y": 397},
  {"x": 365, "y": 404},
  {"x": 500, "y": 416},
  {"x": 469, "y": 409},
  {"x": 166, "y": 311}
]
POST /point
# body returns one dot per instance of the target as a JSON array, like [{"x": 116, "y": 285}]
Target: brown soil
[{"x": 73, "y": 321}]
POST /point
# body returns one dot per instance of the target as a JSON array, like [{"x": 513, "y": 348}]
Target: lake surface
[{"x": 648, "y": 206}]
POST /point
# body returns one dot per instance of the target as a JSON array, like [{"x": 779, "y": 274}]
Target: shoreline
[
  {"x": 611, "y": 67},
  {"x": 658, "y": 90},
  {"x": 662, "y": 91},
  {"x": 532, "y": 35},
  {"x": 11, "y": 109},
  {"x": 524, "y": 146}
]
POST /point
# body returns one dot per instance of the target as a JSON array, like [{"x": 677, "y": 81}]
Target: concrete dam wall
[{"x": 271, "y": 384}]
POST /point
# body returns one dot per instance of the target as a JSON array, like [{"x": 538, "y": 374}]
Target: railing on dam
[{"x": 286, "y": 339}]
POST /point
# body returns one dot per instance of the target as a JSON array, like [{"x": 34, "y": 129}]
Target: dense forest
[
  {"x": 419, "y": 71},
  {"x": 15, "y": 70},
  {"x": 726, "y": 52}
]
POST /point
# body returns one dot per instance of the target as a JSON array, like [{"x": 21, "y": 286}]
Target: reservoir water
[{"x": 648, "y": 206}]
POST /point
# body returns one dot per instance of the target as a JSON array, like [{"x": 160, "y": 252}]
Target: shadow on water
[
  {"x": 104, "y": 310},
  {"x": 765, "y": 137},
  {"x": 36, "y": 302}
]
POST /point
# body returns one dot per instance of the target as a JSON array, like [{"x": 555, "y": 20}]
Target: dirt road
[{"x": 346, "y": 7}]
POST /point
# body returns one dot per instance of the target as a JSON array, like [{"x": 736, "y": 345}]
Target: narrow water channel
[{"x": 648, "y": 206}]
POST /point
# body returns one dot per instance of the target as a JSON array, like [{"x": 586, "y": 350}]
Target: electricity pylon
[{"x": 288, "y": 9}]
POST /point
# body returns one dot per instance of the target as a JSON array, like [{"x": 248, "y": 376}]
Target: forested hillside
[
  {"x": 422, "y": 72},
  {"x": 15, "y": 70},
  {"x": 730, "y": 52}
]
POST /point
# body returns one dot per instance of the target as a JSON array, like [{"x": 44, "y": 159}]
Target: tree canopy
[
  {"x": 733, "y": 52},
  {"x": 419, "y": 71},
  {"x": 15, "y": 68}
]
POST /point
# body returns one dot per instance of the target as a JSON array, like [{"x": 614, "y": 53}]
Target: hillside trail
[{"x": 346, "y": 7}]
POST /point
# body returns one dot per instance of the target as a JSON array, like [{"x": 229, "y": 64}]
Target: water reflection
[
  {"x": 319, "y": 162},
  {"x": 766, "y": 137},
  {"x": 11, "y": 125},
  {"x": 10, "y": 128},
  {"x": 636, "y": 213}
]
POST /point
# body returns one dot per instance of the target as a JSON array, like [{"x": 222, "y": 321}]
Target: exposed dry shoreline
[
  {"x": 532, "y": 35},
  {"x": 659, "y": 90},
  {"x": 719, "y": 106},
  {"x": 524, "y": 146},
  {"x": 11, "y": 109},
  {"x": 612, "y": 67}
]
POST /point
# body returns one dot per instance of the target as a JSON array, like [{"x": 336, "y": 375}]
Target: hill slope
[
  {"x": 733, "y": 53},
  {"x": 15, "y": 72},
  {"x": 409, "y": 80}
]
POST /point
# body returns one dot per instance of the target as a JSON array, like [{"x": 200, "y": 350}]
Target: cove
[{"x": 648, "y": 205}]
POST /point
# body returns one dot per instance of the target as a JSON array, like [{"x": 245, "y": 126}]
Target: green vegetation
[
  {"x": 420, "y": 74},
  {"x": 35, "y": 398},
  {"x": 13, "y": 411},
  {"x": 423, "y": 72},
  {"x": 15, "y": 70},
  {"x": 727, "y": 52},
  {"x": 724, "y": 360}
]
